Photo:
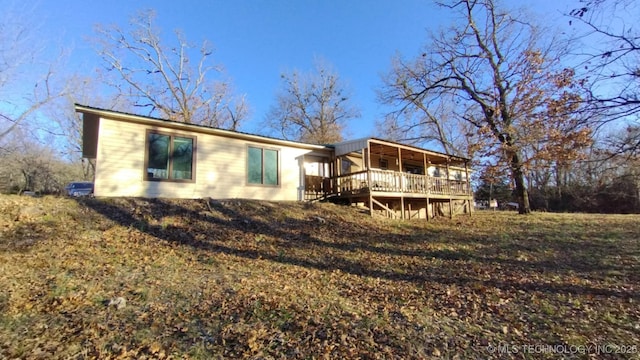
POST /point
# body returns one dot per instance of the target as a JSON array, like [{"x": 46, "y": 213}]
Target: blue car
[{"x": 80, "y": 188}]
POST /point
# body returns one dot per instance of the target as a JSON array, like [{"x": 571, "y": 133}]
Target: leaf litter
[{"x": 208, "y": 279}]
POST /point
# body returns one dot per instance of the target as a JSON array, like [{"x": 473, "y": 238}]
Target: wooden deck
[
  {"x": 391, "y": 191},
  {"x": 393, "y": 183},
  {"x": 391, "y": 179}
]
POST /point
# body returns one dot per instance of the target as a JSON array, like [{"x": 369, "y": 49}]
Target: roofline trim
[
  {"x": 417, "y": 148},
  {"x": 147, "y": 120}
]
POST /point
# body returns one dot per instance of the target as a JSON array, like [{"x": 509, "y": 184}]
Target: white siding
[
  {"x": 455, "y": 173},
  {"x": 220, "y": 165}
]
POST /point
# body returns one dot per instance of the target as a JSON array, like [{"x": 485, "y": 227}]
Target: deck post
[
  {"x": 427, "y": 190},
  {"x": 427, "y": 209},
  {"x": 368, "y": 168},
  {"x": 450, "y": 208},
  {"x": 401, "y": 178},
  {"x": 332, "y": 174},
  {"x": 424, "y": 159},
  {"x": 337, "y": 162},
  {"x": 425, "y": 173}
]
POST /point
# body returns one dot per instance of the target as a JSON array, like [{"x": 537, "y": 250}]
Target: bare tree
[
  {"x": 611, "y": 66},
  {"x": 66, "y": 124},
  {"x": 504, "y": 80},
  {"x": 418, "y": 120},
  {"x": 21, "y": 69},
  {"x": 163, "y": 78},
  {"x": 30, "y": 164},
  {"x": 610, "y": 55},
  {"x": 311, "y": 107}
]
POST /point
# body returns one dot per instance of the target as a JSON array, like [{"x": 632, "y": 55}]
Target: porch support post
[
  {"x": 424, "y": 161},
  {"x": 368, "y": 168},
  {"x": 399, "y": 159},
  {"x": 449, "y": 190},
  {"x": 337, "y": 163},
  {"x": 427, "y": 185},
  {"x": 401, "y": 183},
  {"x": 364, "y": 158},
  {"x": 426, "y": 172},
  {"x": 331, "y": 167},
  {"x": 469, "y": 193}
]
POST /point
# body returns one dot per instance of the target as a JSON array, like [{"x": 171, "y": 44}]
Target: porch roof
[{"x": 390, "y": 148}]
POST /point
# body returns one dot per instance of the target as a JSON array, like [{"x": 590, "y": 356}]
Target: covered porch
[{"x": 399, "y": 180}]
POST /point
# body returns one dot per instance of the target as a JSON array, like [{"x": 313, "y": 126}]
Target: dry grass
[{"x": 248, "y": 279}]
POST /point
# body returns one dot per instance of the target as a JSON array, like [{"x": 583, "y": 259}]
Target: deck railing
[
  {"x": 351, "y": 183},
  {"x": 393, "y": 181},
  {"x": 316, "y": 187}
]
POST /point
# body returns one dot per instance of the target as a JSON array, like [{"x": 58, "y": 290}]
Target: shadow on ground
[{"x": 346, "y": 240}]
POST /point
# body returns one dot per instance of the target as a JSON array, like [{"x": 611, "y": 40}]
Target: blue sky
[{"x": 257, "y": 40}]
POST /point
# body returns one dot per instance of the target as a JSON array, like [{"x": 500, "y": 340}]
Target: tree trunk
[
  {"x": 558, "y": 182},
  {"x": 521, "y": 189},
  {"x": 27, "y": 182},
  {"x": 89, "y": 169}
]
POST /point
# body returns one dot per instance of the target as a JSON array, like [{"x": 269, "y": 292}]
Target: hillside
[{"x": 249, "y": 279}]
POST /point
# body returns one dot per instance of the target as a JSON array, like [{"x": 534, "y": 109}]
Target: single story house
[{"x": 140, "y": 156}]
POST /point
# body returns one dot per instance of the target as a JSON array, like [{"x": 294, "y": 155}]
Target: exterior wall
[
  {"x": 90, "y": 129},
  {"x": 220, "y": 167},
  {"x": 392, "y": 162},
  {"x": 356, "y": 163}
]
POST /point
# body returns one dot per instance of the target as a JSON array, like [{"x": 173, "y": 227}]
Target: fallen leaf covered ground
[{"x": 248, "y": 279}]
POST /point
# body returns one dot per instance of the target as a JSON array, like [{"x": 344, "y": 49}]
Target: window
[
  {"x": 169, "y": 157},
  {"x": 412, "y": 169},
  {"x": 384, "y": 164},
  {"x": 345, "y": 166},
  {"x": 262, "y": 166}
]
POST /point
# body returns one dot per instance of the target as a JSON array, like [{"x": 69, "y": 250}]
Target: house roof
[
  {"x": 340, "y": 148},
  {"x": 123, "y": 116}
]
